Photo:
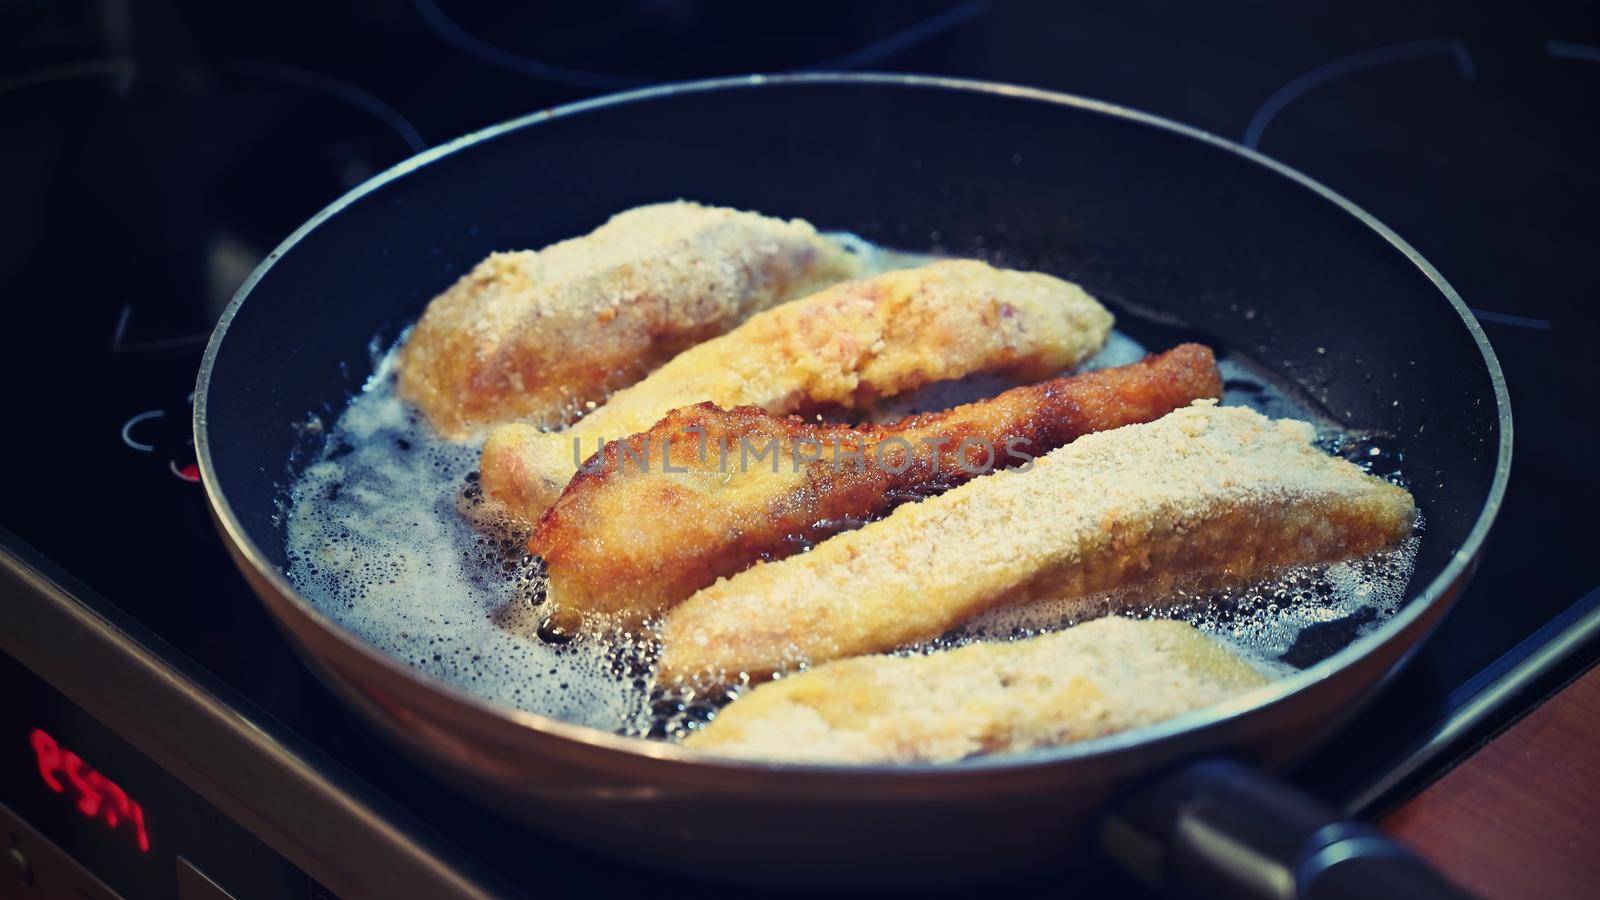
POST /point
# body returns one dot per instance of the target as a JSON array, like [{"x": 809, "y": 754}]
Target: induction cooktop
[{"x": 160, "y": 735}]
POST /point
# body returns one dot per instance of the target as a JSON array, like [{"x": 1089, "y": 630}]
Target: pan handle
[{"x": 1222, "y": 829}]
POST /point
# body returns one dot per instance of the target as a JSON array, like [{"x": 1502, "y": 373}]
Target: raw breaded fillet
[
  {"x": 535, "y": 335},
  {"x": 1096, "y": 679},
  {"x": 655, "y": 518},
  {"x": 1202, "y": 497},
  {"x": 845, "y": 346}
]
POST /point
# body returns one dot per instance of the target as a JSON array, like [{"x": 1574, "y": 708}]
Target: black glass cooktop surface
[{"x": 154, "y": 155}]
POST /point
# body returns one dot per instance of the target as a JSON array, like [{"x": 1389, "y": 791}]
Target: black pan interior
[{"x": 1151, "y": 219}]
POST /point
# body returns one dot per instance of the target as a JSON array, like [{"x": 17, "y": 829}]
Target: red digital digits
[
  {"x": 97, "y": 796},
  {"x": 49, "y": 756}
]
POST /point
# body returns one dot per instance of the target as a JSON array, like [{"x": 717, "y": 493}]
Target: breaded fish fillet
[
  {"x": 845, "y": 346},
  {"x": 1085, "y": 682},
  {"x": 1202, "y": 497},
  {"x": 666, "y": 512},
  {"x": 536, "y": 335}
]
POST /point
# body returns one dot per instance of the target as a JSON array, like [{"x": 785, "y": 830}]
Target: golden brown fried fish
[
  {"x": 845, "y": 346},
  {"x": 1204, "y": 496},
  {"x": 536, "y": 335},
  {"x": 1092, "y": 680},
  {"x": 706, "y": 492}
]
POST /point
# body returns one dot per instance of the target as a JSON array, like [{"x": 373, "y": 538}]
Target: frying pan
[{"x": 1166, "y": 223}]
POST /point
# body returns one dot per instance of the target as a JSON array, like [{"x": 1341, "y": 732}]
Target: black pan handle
[{"x": 1222, "y": 829}]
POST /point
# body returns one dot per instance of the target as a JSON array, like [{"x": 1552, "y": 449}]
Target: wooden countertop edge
[{"x": 1521, "y": 816}]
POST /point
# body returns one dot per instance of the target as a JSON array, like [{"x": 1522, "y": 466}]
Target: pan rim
[{"x": 1420, "y": 604}]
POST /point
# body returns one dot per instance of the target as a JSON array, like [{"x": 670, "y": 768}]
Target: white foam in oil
[
  {"x": 385, "y": 535},
  {"x": 381, "y": 536}
]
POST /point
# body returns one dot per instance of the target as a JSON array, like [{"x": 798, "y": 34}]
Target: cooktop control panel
[{"x": 76, "y": 799}]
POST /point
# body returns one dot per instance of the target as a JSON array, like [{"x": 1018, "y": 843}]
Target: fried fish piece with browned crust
[
  {"x": 1205, "y": 496},
  {"x": 1095, "y": 679},
  {"x": 845, "y": 346},
  {"x": 536, "y": 335},
  {"x": 654, "y": 518}
]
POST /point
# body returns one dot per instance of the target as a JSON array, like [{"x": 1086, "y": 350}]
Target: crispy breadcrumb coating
[
  {"x": 1085, "y": 682},
  {"x": 1204, "y": 496},
  {"x": 535, "y": 335},
  {"x": 845, "y": 346}
]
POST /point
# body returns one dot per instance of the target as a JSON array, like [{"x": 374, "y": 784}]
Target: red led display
[{"x": 97, "y": 797}]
